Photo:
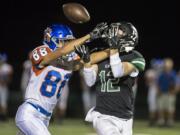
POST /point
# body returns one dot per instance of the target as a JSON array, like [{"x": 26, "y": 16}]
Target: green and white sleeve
[{"x": 139, "y": 63}]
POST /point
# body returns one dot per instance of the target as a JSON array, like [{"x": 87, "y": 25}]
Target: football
[{"x": 76, "y": 12}]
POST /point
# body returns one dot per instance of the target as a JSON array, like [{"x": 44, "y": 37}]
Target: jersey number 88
[
  {"x": 50, "y": 83},
  {"x": 43, "y": 52}
]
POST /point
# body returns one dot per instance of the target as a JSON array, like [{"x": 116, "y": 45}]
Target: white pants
[
  {"x": 30, "y": 121},
  {"x": 109, "y": 125}
]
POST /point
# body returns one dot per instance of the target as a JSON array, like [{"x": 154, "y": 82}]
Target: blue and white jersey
[{"x": 45, "y": 84}]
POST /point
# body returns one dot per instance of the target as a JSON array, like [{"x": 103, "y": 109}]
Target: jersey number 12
[{"x": 109, "y": 85}]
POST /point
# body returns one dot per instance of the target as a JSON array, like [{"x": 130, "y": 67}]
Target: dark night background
[{"x": 156, "y": 21}]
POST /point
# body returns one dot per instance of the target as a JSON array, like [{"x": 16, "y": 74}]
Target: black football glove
[
  {"x": 98, "y": 30},
  {"x": 113, "y": 43},
  {"x": 111, "y": 37},
  {"x": 83, "y": 52}
]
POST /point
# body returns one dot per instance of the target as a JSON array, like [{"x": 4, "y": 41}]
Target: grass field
[{"x": 77, "y": 127}]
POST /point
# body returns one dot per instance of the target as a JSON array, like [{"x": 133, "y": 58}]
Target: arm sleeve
[
  {"x": 116, "y": 65},
  {"x": 89, "y": 75},
  {"x": 138, "y": 61}
]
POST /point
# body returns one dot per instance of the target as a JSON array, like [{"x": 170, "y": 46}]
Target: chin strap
[{"x": 128, "y": 49}]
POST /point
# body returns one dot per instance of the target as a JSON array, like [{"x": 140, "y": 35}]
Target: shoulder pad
[{"x": 38, "y": 54}]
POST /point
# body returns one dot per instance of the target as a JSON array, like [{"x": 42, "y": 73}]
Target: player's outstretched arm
[
  {"x": 95, "y": 58},
  {"x": 94, "y": 34},
  {"x": 69, "y": 47},
  {"x": 99, "y": 56}
]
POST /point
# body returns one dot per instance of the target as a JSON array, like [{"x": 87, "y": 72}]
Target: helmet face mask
[{"x": 127, "y": 35}]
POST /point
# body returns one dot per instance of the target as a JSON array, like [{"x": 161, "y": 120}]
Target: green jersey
[{"x": 115, "y": 95}]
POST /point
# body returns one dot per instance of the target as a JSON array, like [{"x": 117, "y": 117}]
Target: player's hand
[
  {"x": 98, "y": 30},
  {"x": 83, "y": 52},
  {"x": 111, "y": 37},
  {"x": 113, "y": 43}
]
